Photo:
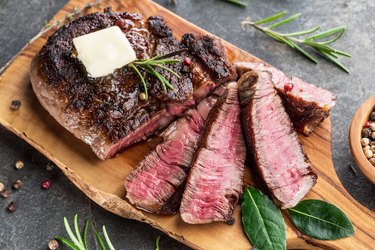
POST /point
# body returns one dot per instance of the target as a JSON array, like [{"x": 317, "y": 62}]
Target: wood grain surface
[{"x": 102, "y": 181}]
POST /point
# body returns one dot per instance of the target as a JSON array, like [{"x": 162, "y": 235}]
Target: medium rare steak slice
[
  {"x": 306, "y": 104},
  {"x": 156, "y": 185},
  {"x": 106, "y": 112},
  {"x": 215, "y": 180},
  {"x": 270, "y": 137}
]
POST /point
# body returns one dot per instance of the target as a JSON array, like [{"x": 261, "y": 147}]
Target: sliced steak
[
  {"x": 274, "y": 144},
  {"x": 306, "y": 104},
  {"x": 215, "y": 180},
  {"x": 106, "y": 112},
  {"x": 156, "y": 185}
]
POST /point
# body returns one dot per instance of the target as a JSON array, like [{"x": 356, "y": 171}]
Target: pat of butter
[{"x": 104, "y": 51}]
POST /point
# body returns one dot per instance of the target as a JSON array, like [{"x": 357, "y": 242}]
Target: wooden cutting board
[{"x": 102, "y": 181}]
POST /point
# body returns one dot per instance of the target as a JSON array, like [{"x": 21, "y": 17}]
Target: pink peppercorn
[
  {"x": 46, "y": 184},
  {"x": 188, "y": 61},
  {"x": 288, "y": 87}
]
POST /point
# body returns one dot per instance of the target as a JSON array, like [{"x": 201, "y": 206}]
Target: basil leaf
[
  {"x": 321, "y": 220},
  {"x": 262, "y": 220}
]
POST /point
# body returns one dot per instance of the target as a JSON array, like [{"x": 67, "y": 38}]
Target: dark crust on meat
[{"x": 212, "y": 55}]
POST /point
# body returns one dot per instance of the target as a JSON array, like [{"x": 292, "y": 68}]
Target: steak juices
[{"x": 201, "y": 159}]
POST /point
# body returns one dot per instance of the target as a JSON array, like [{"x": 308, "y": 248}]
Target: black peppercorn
[
  {"x": 15, "y": 105},
  {"x": 366, "y": 133},
  {"x": 12, "y": 207},
  {"x": 17, "y": 185},
  {"x": 372, "y": 116}
]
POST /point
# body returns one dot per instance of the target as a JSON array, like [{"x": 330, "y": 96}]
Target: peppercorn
[
  {"x": 19, "y": 164},
  {"x": 288, "y": 87},
  {"x": 17, "y": 185},
  {"x": 365, "y": 141},
  {"x": 5, "y": 194},
  {"x": 12, "y": 207},
  {"x": 372, "y": 143},
  {"x": 53, "y": 245},
  {"x": 46, "y": 184},
  {"x": 50, "y": 166},
  {"x": 372, "y": 116},
  {"x": 366, "y": 148},
  {"x": 15, "y": 105},
  {"x": 142, "y": 96},
  {"x": 368, "y": 154},
  {"x": 366, "y": 133},
  {"x": 372, "y": 126},
  {"x": 2, "y": 187},
  {"x": 373, "y": 135},
  {"x": 372, "y": 148},
  {"x": 367, "y": 125},
  {"x": 372, "y": 161},
  {"x": 188, "y": 61}
]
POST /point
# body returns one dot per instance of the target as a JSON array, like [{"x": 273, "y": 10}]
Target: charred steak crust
[
  {"x": 274, "y": 144},
  {"x": 306, "y": 104},
  {"x": 212, "y": 55},
  {"x": 106, "y": 112},
  {"x": 215, "y": 181}
]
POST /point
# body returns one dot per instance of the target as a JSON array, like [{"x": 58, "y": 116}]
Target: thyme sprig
[
  {"x": 237, "y": 2},
  {"x": 150, "y": 65},
  {"x": 78, "y": 241},
  {"x": 321, "y": 47}
]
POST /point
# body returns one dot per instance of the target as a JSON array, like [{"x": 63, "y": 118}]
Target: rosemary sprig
[
  {"x": 150, "y": 65},
  {"x": 78, "y": 241},
  {"x": 237, "y": 2},
  {"x": 321, "y": 47},
  {"x": 157, "y": 247}
]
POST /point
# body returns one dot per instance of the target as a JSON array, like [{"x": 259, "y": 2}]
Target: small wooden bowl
[{"x": 360, "y": 117}]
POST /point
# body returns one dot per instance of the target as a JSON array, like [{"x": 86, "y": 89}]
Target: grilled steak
[
  {"x": 215, "y": 180},
  {"x": 270, "y": 136},
  {"x": 306, "y": 104},
  {"x": 106, "y": 112},
  {"x": 156, "y": 185}
]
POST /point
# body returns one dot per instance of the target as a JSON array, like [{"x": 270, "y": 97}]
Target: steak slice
[
  {"x": 106, "y": 112},
  {"x": 215, "y": 180},
  {"x": 156, "y": 185},
  {"x": 270, "y": 137},
  {"x": 306, "y": 104}
]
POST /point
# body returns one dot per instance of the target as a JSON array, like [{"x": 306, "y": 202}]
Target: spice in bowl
[{"x": 368, "y": 138}]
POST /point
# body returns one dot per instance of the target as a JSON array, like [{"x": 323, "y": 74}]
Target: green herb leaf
[
  {"x": 291, "y": 39},
  {"x": 157, "y": 243},
  {"x": 107, "y": 240},
  {"x": 67, "y": 242},
  {"x": 99, "y": 238},
  {"x": 321, "y": 220},
  {"x": 71, "y": 235},
  {"x": 85, "y": 233},
  {"x": 262, "y": 220},
  {"x": 237, "y": 2}
]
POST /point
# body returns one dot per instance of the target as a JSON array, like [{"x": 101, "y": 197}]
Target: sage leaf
[
  {"x": 321, "y": 220},
  {"x": 262, "y": 220}
]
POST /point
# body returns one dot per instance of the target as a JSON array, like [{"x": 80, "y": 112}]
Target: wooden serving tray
[{"x": 102, "y": 181}]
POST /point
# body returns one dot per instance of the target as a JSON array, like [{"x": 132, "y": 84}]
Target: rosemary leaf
[
  {"x": 291, "y": 39},
  {"x": 174, "y": 53},
  {"x": 157, "y": 243},
  {"x": 79, "y": 238},
  {"x": 67, "y": 242},
  {"x": 167, "y": 69},
  {"x": 71, "y": 235},
  {"x": 304, "y": 32},
  {"x": 327, "y": 33},
  {"x": 99, "y": 238},
  {"x": 271, "y": 18},
  {"x": 237, "y": 2},
  {"x": 107, "y": 240},
  {"x": 287, "y": 20},
  {"x": 140, "y": 77},
  {"x": 303, "y": 52},
  {"x": 85, "y": 233}
]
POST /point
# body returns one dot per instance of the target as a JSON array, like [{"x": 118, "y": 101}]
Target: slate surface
[{"x": 40, "y": 213}]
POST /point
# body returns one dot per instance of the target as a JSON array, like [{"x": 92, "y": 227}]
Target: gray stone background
[{"x": 40, "y": 213}]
